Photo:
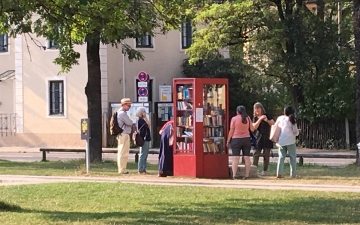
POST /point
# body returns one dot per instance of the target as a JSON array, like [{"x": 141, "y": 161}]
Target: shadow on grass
[
  {"x": 7, "y": 207},
  {"x": 235, "y": 210},
  {"x": 63, "y": 167}
]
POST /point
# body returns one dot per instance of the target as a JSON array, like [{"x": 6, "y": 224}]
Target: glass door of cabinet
[{"x": 214, "y": 122}]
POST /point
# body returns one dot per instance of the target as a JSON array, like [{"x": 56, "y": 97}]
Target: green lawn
[
  {"x": 67, "y": 168},
  {"x": 116, "y": 203},
  {"x": 315, "y": 174},
  {"x": 308, "y": 173}
]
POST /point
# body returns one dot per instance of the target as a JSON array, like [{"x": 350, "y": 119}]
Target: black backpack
[
  {"x": 137, "y": 139},
  {"x": 115, "y": 129}
]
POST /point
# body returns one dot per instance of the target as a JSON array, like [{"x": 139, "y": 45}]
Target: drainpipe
[{"x": 123, "y": 72}]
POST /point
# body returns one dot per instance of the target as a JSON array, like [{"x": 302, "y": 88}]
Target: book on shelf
[
  {"x": 184, "y": 92},
  {"x": 182, "y": 105},
  {"x": 188, "y": 133},
  {"x": 184, "y": 121},
  {"x": 181, "y": 132},
  {"x": 214, "y": 145},
  {"x": 185, "y": 146},
  {"x": 213, "y": 120},
  {"x": 213, "y": 132}
]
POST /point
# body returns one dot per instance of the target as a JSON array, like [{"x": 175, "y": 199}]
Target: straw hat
[{"x": 125, "y": 101}]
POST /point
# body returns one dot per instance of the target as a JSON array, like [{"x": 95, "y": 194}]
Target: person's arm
[
  {"x": 269, "y": 120},
  {"x": 146, "y": 120},
  {"x": 257, "y": 123},
  {"x": 231, "y": 131},
  {"x": 126, "y": 119},
  {"x": 259, "y": 120},
  {"x": 252, "y": 127},
  {"x": 295, "y": 129}
]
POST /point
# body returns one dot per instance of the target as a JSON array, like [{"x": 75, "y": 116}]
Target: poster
[
  {"x": 165, "y": 93},
  {"x": 199, "y": 114},
  {"x": 165, "y": 111}
]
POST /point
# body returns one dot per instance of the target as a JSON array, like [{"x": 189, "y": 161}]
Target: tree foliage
[
  {"x": 242, "y": 89},
  {"x": 291, "y": 45},
  {"x": 77, "y": 22}
]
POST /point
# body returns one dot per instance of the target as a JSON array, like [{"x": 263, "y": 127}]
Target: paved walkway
[
  {"x": 170, "y": 181},
  {"x": 26, "y": 154},
  {"x": 299, "y": 150}
]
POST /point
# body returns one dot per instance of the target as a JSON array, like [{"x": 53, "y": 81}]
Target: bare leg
[
  {"x": 247, "y": 166},
  {"x": 235, "y": 163}
]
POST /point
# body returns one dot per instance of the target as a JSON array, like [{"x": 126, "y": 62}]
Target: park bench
[
  {"x": 301, "y": 156},
  {"x": 104, "y": 150}
]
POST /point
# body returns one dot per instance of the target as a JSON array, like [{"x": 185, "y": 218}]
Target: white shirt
[{"x": 288, "y": 131}]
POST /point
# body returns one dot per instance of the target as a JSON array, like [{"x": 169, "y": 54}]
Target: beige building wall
[
  {"x": 7, "y": 62},
  {"x": 162, "y": 62},
  {"x": 35, "y": 126},
  {"x": 7, "y": 96},
  {"x": 34, "y": 71}
]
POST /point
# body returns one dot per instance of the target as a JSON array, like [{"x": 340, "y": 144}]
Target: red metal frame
[{"x": 200, "y": 163}]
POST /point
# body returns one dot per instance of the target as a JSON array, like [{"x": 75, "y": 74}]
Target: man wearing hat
[{"x": 123, "y": 139}]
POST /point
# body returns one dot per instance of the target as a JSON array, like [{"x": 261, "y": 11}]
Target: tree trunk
[
  {"x": 320, "y": 9},
  {"x": 357, "y": 63},
  {"x": 93, "y": 93}
]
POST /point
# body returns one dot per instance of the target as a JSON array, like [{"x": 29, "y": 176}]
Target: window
[
  {"x": 56, "y": 97},
  {"x": 144, "y": 42},
  {"x": 3, "y": 42},
  {"x": 52, "y": 44},
  {"x": 186, "y": 34}
]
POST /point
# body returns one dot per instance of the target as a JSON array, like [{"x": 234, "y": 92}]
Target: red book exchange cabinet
[{"x": 201, "y": 119}]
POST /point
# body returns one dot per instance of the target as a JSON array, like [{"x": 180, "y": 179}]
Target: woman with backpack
[{"x": 143, "y": 129}]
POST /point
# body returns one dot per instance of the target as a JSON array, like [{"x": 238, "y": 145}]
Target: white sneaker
[{"x": 263, "y": 173}]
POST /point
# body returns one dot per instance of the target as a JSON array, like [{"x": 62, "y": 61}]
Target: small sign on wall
[
  {"x": 85, "y": 129},
  {"x": 142, "y": 84},
  {"x": 143, "y": 99},
  {"x": 165, "y": 93}
]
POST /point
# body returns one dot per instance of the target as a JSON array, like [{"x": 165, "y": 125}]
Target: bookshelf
[
  {"x": 184, "y": 119},
  {"x": 201, "y": 121}
]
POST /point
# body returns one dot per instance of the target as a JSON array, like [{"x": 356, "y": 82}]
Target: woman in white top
[{"x": 286, "y": 142}]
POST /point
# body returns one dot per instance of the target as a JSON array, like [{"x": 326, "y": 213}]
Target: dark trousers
[{"x": 266, "y": 155}]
